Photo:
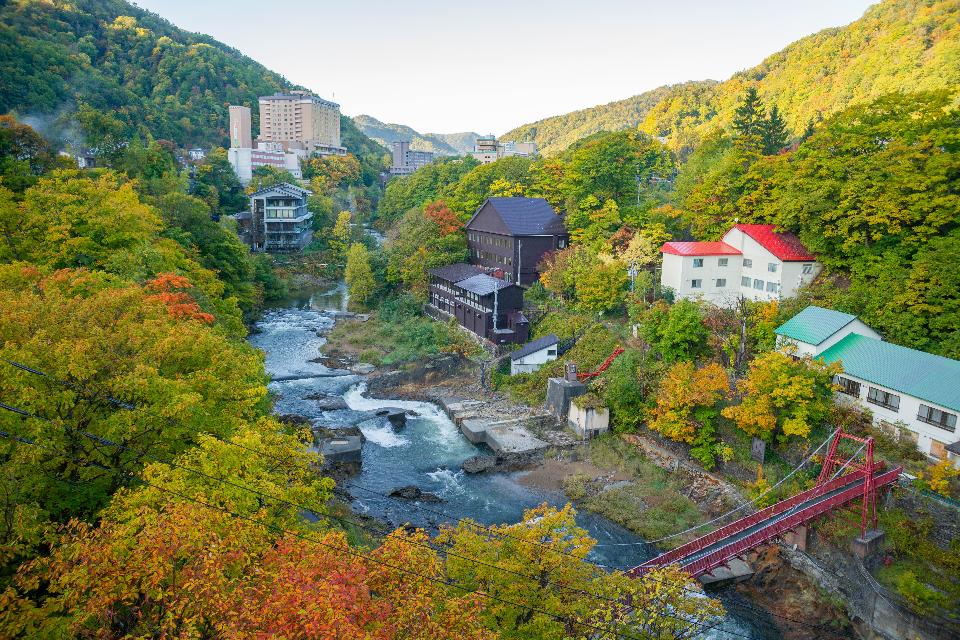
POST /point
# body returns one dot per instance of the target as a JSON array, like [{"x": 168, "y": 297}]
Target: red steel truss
[
  {"x": 842, "y": 481},
  {"x": 603, "y": 367}
]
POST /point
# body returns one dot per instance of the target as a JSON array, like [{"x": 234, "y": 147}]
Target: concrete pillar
[
  {"x": 866, "y": 546},
  {"x": 559, "y": 393}
]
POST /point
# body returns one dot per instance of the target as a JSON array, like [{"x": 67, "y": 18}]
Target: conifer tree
[
  {"x": 774, "y": 132},
  {"x": 749, "y": 121}
]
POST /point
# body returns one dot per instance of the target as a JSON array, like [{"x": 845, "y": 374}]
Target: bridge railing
[
  {"x": 720, "y": 556},
  {"x": 739, "y": 525}
]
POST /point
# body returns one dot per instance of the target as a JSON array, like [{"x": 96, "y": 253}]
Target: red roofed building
[{"x": 755, "y": 261}]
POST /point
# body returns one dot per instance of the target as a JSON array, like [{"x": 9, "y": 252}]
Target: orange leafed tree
[
  {"x": 188, "y": 571},
  {"x": 171, "y": 290},
  {"x": 444, "y": 218}
]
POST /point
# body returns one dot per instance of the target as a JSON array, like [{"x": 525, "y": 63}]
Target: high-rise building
[
  {"x": 299, "y": 119},
  {"x": 407, "y": 160},
  {"x": 240, "y": 136}
]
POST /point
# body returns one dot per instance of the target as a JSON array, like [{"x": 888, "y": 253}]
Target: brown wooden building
[
  {"x": 513, "y": 235},
  {"x": 487, "y": 306}
]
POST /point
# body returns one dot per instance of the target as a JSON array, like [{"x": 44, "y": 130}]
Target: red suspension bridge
[{"x": 843, "y": 481}]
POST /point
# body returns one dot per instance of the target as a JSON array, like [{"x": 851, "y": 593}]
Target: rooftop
[
  {"x": 916, "y": 373},
  {"x": 526, "y": 216},
  {"x": 282, "y": 189},
  {"x": 456, "y": 272},
  {"x": 813, "y": 325},
  {"x": 782, "y": 244},
  {"x": 482, "y": 284},
  {"x": 535, "y": 345},
  {"x": 699, "y": 249}
]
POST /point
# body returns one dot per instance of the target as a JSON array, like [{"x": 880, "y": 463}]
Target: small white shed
[{"x": 534, "y": 354}]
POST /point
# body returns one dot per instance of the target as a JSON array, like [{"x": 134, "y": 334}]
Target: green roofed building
[{"x": 911, "y": 394}]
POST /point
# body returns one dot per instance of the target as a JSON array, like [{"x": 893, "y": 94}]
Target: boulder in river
[
  {"x": 502, "y": 463},
  {"x": 362, "y": 368},
  {"x": 396, "y": 417},
  {"x": 414, "y": 493},
  {"x": 329, "y": 403}
]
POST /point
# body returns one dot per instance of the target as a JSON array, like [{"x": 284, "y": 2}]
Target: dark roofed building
[
  {"x": 513, "y": 234},
  {"x": 534, "y": 354},
  {"x": 487, "y": 306}
]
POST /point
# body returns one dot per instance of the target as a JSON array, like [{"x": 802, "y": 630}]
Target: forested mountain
[
  {"x": 444, "y": 144},
  {"x": 65, "y": 64},
  {"x": 898, "y": 45}
]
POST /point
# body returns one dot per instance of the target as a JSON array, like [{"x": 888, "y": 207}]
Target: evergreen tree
[
  {"x": 749, "y": 121},
  {"x": 774, "y": 132}
]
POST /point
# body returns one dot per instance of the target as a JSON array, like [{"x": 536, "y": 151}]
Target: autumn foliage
[
  {"x": 171, "y": 290},
  {"x": 443, "y": 216},
  {"x": 188, "y": 571}
]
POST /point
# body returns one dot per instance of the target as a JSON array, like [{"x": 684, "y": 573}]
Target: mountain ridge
[
  {"x": 896, "y": 45},
  {"x": 447, "y": 144}
]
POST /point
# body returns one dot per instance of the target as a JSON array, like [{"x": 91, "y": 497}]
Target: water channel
[{"x": 426, "y": 453}]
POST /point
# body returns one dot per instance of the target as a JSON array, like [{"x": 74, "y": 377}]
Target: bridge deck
[{"x": 714, "y": 549}]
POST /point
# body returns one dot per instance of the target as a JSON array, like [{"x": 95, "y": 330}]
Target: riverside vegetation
[{"x": 126, "y": 285}]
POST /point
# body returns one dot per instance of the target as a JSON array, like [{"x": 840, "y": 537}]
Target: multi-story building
[
  {"x": 487, "y": 306},
  {"x": 278, "y": 219},
  {"x": 511, "y": 235},
  {"x": 912, "y": 395},
  {"x": 407, "y": 160},
  {"x": 488, "y": 149},
  {"x": 754, "y": 261},
  {"x": 300, "y": 119},
  {"x": 240, "y": 127}
]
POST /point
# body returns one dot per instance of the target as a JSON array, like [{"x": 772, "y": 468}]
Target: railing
[{"x": 855, "y": 489}]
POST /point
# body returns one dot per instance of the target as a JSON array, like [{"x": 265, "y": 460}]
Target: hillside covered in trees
[
  {"x": 898, "y": 45},
  {"x": 63, "y": 64},
  {"x": 443, "y": 144}
]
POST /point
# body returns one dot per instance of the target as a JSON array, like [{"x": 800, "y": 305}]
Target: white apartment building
[
  {"x": 300, "y": 119},
  {"x": 489, "y": 149},
  {"x": 752, "y": 260},
  {"x": 913, "y": 395}
]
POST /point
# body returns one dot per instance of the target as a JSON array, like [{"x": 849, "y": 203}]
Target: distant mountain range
[
  {"x": 897, "y": 45},
  {"x": 444, "y": 144}
]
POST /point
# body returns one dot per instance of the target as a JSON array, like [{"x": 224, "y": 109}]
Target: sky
[{"x": 491, "y": 65}]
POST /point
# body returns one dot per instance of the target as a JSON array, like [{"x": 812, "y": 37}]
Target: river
[{"x": 426, "y": 453}]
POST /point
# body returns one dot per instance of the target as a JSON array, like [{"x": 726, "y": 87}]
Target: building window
[
  {"x": 722, "y": 262},
  {"x": 747, "y": 263},
  {"x": 561, "y": 243},
  {"x": 758, "y": 285},
  {"x": 745, "y": 281},
  {"x": 721, "y": 282},
  {"x": 695, "y": 284},
  {"x": 772, "y": 287},
  {"x": 883, "y": 399},
  {"x": 848, "y": 386},
  {"x": 697, "y": 263},
  {"x": 807, "y": 269},
  {"x": 937, "y": 418},
  {"x": 772, "y": 267}
]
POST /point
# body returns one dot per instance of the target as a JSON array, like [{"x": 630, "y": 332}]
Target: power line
[
  {"x": 263, "y": 494},
  {"x": 489, "y": 530},
  {"x": 346, "y": 550}
]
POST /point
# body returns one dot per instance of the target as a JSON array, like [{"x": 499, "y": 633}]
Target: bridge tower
[{"x": 835, "y": 463}]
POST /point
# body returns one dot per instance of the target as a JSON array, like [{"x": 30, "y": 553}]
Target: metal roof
[
  {"x": 813, "y": 325},
  {"x": 699, "y": 249},
  {"x": 916, "y": 373},
  {"x": 526, "y": 216},
  {"x": 283, "y": 189},
  {"x": 782, "y": 244},
  {"x": 535, "y": 345},
  {"x": 456, "y": 272},
  {"x": 482, "y": 284}
]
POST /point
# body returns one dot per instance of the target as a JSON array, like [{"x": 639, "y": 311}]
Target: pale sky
[{"x": 491, "y": 65}]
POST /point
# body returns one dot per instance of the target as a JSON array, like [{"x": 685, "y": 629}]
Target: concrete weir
[{"x": 503, "y": 436}]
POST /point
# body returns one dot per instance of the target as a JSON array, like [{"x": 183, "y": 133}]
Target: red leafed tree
[
  {"x": 440, "y": 213},
  {"x": 188, "y": 571},
  {"x": 172, "y": 290}
]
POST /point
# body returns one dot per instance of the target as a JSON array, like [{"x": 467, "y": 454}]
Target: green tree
[
  {"x": 358, "y": 274},
  {"x": 783, "y": 397},
  {"x": 749, "y": 121},
  {"x": 774, "y": 132},
  {"x": 675, "y": 332}
]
